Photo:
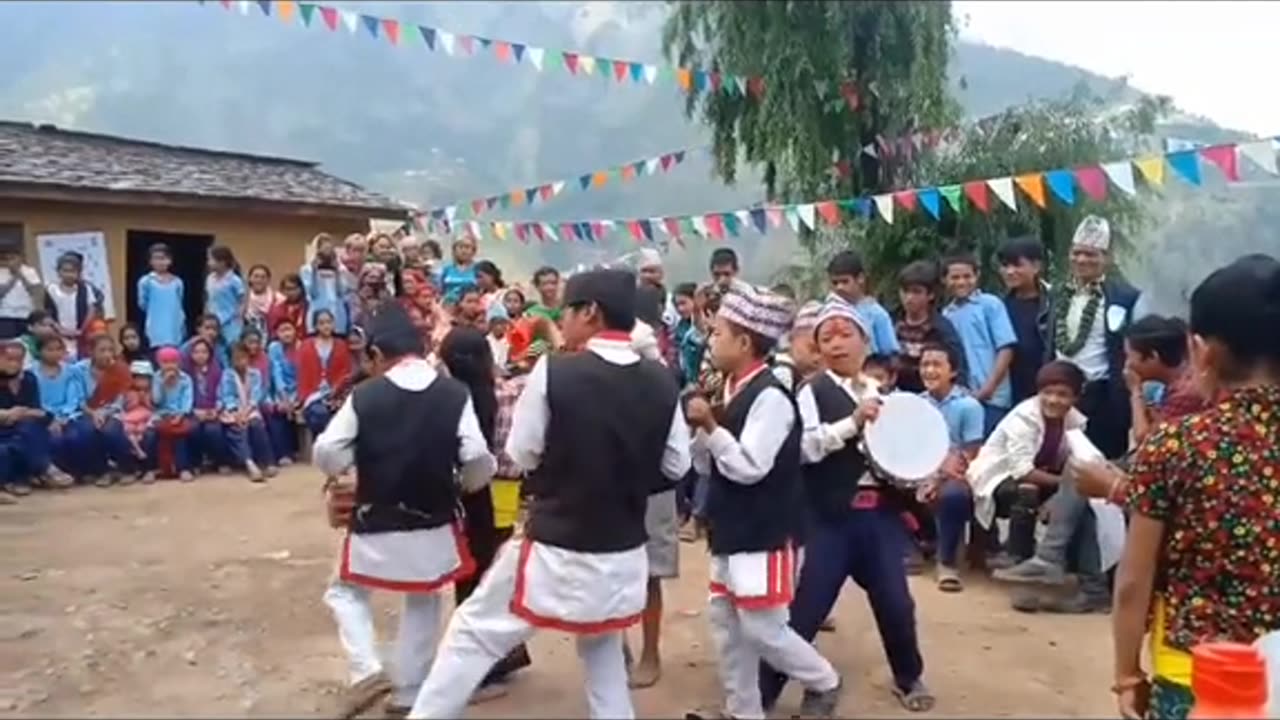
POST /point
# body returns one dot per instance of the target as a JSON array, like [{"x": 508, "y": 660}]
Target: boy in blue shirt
[
  {"x": 949, "y": 493},
  {"x": 987, "y": 335},
  {"x": 848, "y": 278}
]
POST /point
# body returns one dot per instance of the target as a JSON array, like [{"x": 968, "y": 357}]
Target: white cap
[
  {"x": 647, "y": 258},
  {"x": 140, "y": 367},
  {"x": 1093, "y": 232}
]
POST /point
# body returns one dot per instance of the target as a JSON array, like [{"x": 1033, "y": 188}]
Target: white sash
[
  {"x": 756, "y": 580},
  {"x": 410, "y": 561},
  {"x": 579, "y": 592}
]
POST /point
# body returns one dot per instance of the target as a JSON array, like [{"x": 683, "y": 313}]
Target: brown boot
[{"x": 362, "y": 695}]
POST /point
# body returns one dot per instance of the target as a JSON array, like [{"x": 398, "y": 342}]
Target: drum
[{"x": 909, "y": 441}]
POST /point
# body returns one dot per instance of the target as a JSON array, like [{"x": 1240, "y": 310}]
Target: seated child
[
  {"x": 132, "y": 345},
  {"x": 57, "y": 384},
  {"x": 40, "y": 325},
  {"x": 240, "y": 397},
  {"x": 324, "y": 363},
  {"x": 208, "y": 446},
  {"x": 24, "y": 436},
  {"x": 209, "y": 330},
  {"x": 136, "y": 419},
  {"x": 173, "y": 395}
]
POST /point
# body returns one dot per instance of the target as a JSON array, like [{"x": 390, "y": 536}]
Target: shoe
[
  {"x": 286, "y": 462},
  {"x": 148, "y": 478},
  {"x": 271, "y": 471},
  {"x": 821, "y": 704},
  {"x": 186, "y": 476},
  {"x": 103, "y": 481},
  {"x": 123, "y": 479},
  {"x": 7, "y": 499},
  {"x": 17, "y": 490},
  {"x": 1032, "y": 570},
  {"x": 392, "y": 711},
  {"x": 485, "y": 693},
  {"x": 1001, "y": 561},
  {"x": 1077, "y": 603},
  {"x": 56, "y": 479},
  {"x": 362, "y": 695},
  {"x": 255, "y": 475},
  {"x": 949, "y": 579}
]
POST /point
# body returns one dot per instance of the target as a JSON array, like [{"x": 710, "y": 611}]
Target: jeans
[
  {"x": 953, "y": 511},
  {"x": 249, "y": 443},
  {"x": 284, "y": 434},
  {"x": 207, "y": 444},
  {"x": 991, "y": 417},
  {"x": 25, "y": 449},
  {"x": 316, "y": 417},
  {"x": 100, "y": 445}
]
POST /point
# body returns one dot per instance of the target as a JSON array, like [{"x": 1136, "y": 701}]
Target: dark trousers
[
  {"x": 953, "y": 511},
  {"x": 1106, "y": 404},
  {"x": 284, "y": 434},
  {"x": 867, "y": 546},
  {"x": 484, "y": 539},
  {"x": 316, "y": 417},
  {"x": 25, "y": 451},
  {"x": 248, "y": 443},
  {"x": 99, "y": 446},
  {"x": 131, "y": 464},
  {"x": 207, "y": 444}
]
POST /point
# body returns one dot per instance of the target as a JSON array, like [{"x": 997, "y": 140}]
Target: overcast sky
[{"x": 1215, "y": 59}]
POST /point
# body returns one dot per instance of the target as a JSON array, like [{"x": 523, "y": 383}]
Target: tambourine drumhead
[{"x": 909, "y": 440}]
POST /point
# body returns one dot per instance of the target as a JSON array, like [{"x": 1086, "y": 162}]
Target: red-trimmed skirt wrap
[
  {"x": 168, "y": 432},
  {"x": 579, "y": 592},
  {"x": 757, "y": 580},
  {"x": 415, "y": 561}
]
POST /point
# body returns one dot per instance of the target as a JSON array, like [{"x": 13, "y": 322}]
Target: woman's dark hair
[
  {"x": 208, "y": 346},
  {"x": 160, "y": 249},
  {"x": 921, "y": 274},
  {"x": 1164, "y": 337},
  {"x": 48, "y": 340},
  {"x": 248, "y": 333},
  {"x": 649, "y": 306},
  {"x": 432, "y": 248},
  {"x": 468, "y": 289},
  {"x": 238, "y": 347},
  {"x": 142, "y": 339},
  {"x": 1061, "y": 372},
  {"x": 686, "y": 289},
  {"x": 207, "y": 317},
  {"x": 261, "y": 267},
  {"x": 466, "y": 353},
  {"x": 290, "y": 279},
  {"x": 1239, "y": 306},
  {"x": 846, "y": 262},
  {"x": 488, "y": 268},
  {"x": 517, "y": 291},
  {"x": 223, "y": 254}
]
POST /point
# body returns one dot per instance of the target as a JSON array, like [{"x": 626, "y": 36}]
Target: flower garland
[{"x": 1067, "y": 343}]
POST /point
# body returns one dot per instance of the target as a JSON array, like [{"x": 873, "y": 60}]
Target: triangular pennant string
[
  {"x": 884, "y": 205},
  {"x": 371, "y": 24},
  {"x": 1121, "y": 175},
  {"x": 931, "y": 201},
  {"x": 536, "y": 55},
  {"x": 793, "y": 218},
  {"x": 774, "y": 216},
  {"x": 1187, "y": 164},
  {"x": 829, "y": 212},
  {"x": 1033, "y": 185},
  {"x": 284, "y": 10},
  {"x": 1063, "y": 185},
  {"x": 1224, "y": 156},
  {"x": 391, "y": 29},
  {"x": 806, "y": 213},
  {"x": 306, "y": 11},
  {"x": 977, "y": 193},
  {"x": 1003, "y": 189},
  {"x": 1093, "y": 181},
  {"x": 1152, "y": 169},
  {"x": 952, "y": 193},
  {"x": 1261, "y": 153},
  {"x": 759, "y": 220},
  {"x": 907, "y": 199}
]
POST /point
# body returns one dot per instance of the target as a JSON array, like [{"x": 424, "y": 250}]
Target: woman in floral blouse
[{"x": 1202, "y": 558}]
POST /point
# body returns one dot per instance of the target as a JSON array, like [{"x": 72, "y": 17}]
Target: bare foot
[{"x": 645, "y": 673}]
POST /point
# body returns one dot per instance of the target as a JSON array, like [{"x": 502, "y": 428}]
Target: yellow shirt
[{"x": 1168, "y": 663}]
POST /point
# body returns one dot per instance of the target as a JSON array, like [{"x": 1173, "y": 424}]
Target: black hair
[
  {"x": 223, "y": 254},
  {"x": 1020, "y": 248},
  {"x": 466, "y": 353},
  {"x": 921, "y": 273},
  {"x": 964, "y": 258},
  {"x": 250, "y": 332},
  {"x": 206, "y": 318},
  {"x": 315, "y": 315},
  {"x": 488, "y": 268},
  {"x": 48, "y": 340},
  {"x": 612, "y": 318},
  {"x": 238, "y": 346},
  {"x": 70, "y": 257},
  {"x": 160, "y": 249},
  {"x": 468, "y": 289},
  {"x": 846, "y": 262},
  {"x": 126, "y": 328},
  {"x": 879, "y": 360},
  {"x": 1166, "y": 338},
  {"x": 432, "y": 247},
  {"x": 649, "y": 306},
  {"x": 544, "y": 271},
  {"x": 953, "y": 355},
  {"x": 686, "y": 289},
  {"x": 1061, "y": 372},
  {"x": 517, "y": 291},
  {"x": 261, "y": 267},
  {"x": 35, "y": 317},
  {"x": 1236, "y": 305},
  {"x": 761, "y": 345},
  {"x": 724, "y": 256}
]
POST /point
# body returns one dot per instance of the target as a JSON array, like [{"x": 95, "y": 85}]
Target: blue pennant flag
[
  {"x": 266, "y": 6},
  {"x": 585, "y": 181},
  {"x": 428, "y": 36},
  {"x": 637, "y": 72},
  {"x": 1187, "y": 163},
  {"x": 371, "y": 24},
  {"x": 701, "y": 80},
  {"x": 758, "y": 219},
  {"x": 647, "y": 228},
  {"x": 1063, "y": 184},
  {"x": 518, "y": 51},
  {"x": 530, "y": 195},
  {"x": 730, "y": 223},
  {"x": 930, "y": 198}
]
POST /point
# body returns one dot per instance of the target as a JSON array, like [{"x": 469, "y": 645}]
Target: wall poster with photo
[{"x": 92, "y": 245}]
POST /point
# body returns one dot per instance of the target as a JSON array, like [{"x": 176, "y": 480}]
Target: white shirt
[
  {"x": 821, "y": 439},
  {"x": 1092, "y": 358},
  {"x": 334, "y": 451},
  {"x": 65, "y": 301},
  {"x": 532, "y": 413},
  {"x": 501, "y": 350},
  {"x": 16, "y": 304},
  {"x": 748, "y": 458}
]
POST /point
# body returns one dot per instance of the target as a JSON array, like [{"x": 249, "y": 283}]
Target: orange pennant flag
[
  {"x": 685, "y": 78},
  {"x": 502, "y": 50},
  {"x": 1033, "y": 185},
  {"x": 600, "y": 178},
  {"x": 517, "y": 198},
  {"x": 628, "y": 172},
  {"x": 284, "y": 10}
]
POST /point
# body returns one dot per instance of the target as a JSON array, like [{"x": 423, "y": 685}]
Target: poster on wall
[{"x": 92, "y": 245}]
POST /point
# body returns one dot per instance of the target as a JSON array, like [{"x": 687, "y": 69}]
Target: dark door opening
[{"x": 189, "y": 264}]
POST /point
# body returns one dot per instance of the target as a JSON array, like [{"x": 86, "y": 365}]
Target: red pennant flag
[
  {"x": 477, "y": 206},
  {"x": 502, "y": 50},
  {"x": 545, "y": 192},
  {"x": 467, "y": 43},
  {"x": 829, "y": 212},
  {"x": 906, "y": 198},
  {"x": 715, "y": 82},
  {"x": 520, "y": 233},
  {"x": 849, "y": 92},
  {"x": 665, "y": 161},
  {"x": 571, "y": 62},
  {"x": 636, "y": 233},
  {"x": 628, "y": 172},
  {"x": 673, "y": 227},
  {"x": 1224, "y": 156},
  {"x": 391, "y": 29},
  {"x": 715, "y": 226},
  {"x": 537, "y": 230},
  {"x": 597, "y": 229},
  {"x": 1093, "y": 181},
  {"x": 775, "y": 216},
  {"x": 621, "y": 70},
  {"x": 566, "y": 231},
  {"x": 977, "y": 194},
  {"x": 330, "y": 16},
  {"x": 755, "y": 86},
  {"x": 226, "y": 4}
]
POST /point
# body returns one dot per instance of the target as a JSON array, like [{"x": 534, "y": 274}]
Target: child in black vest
[
  {"x": 855, "y": 527},
  {"x": 752, "y": 456}
]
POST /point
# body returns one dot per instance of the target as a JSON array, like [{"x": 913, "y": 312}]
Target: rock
[
  {"x": 28, "y": 633},
  {"x": 29, "y": 576},
  {"x": 120, "y": 605},
  {"x": 278, "y": 555},
  {"x": 70, "y": 609},
  {"x": 190, "y": 657}
]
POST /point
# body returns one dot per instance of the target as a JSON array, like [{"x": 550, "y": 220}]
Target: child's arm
[{"x": 1004, "y": 340}]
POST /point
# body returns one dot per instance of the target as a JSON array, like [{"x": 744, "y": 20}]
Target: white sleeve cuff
[
  {"x": 719, "y": 441},
  {"x": 845, "y": 429}
]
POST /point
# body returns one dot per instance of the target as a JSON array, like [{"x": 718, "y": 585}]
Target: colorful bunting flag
[
  {"x": 952, "y": 194},
  {"x": 931, "y": 200},
  {"x": 1063, "y": 185},
  {"x": 806, "y": 214},
  {"x": 1187, "y": 164},
  {"x": 884, "y": 204},
  {"x": 1003, "y": 188},
  {"x": 1261, "y": 153},
  {"x": 1152, "y": 168},
  {"x": 1121, "y": 175},
  {"x": 977, "y": 194},
  {"x": 1093, "y": 181},
  {"x": 1033, "y": 185},
  {"x": 1224, "y": 156}
]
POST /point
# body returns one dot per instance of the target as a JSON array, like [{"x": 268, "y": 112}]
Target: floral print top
[{"x": 1213, "y": 479}]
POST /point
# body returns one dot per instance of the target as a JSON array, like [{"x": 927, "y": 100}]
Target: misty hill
[{"x": 419, "y": 125}]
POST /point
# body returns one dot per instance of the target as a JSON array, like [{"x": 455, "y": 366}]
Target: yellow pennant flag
[
  {"x": 1033, "y": 185},
  {"x": 1152, "y": 169},
  {"x": 499, "y": 231},
  {"x": 284, "y": 10}
]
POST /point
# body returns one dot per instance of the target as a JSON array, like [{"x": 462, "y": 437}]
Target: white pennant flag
[
  {"x": 350, "y": 19},
  {"x": 550, "y": 232},
  {"x": 806, "y": 214},
  {"x": 884, "y": 204},
  {"x": 744, "y": 218},
  {"x": 446, "y": 41},
  {"x": 650, "y": 73},
  {"x": 1003, "y": 188},
  {"x": 450, "y": 212},
  {"x": 587, "y": 64},
  {"x": 535, "y": 55},
  {"x": 243, "y": 5},
  {"x": 1121, "y": 174},
  {"x": 870, "y": 149},
  {"x": 608, "y": 226},
  {"x": 793, "y": 218},
  {"x": 556, "y": 187},
  {"x": 473, "y": 227},
  {"x": 651, "y": 166},
  {"x": 741, "y": 82},
  {"x": 657, "y": 224},
  {"x": 1261, "y": 153},
  {"x": 699, "y": 225}
]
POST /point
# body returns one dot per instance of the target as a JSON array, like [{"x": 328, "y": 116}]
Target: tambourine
[{"x": 909, "y": 441}]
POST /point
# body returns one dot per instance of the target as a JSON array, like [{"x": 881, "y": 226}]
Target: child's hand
[{"x": 867, "y": 412}]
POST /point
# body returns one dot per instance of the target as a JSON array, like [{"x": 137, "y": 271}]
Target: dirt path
[{"x": 204, "y": 600}]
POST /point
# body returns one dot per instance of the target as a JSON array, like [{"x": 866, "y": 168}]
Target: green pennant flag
[
  {"x": 686, "y": 227},
  {"x": 504, "y": 200},
  {"x": 850, "y": 206},
  {"x": 952, "y": 194},
  {"x": 306, "y": 10}
]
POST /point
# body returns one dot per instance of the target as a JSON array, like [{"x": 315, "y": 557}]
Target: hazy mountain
[{"x": 419, "y": 125}]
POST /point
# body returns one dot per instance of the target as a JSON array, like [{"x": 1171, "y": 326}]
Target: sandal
[
  {"x": 916, "y": 698},
  {"x": 949, "y": 580}
]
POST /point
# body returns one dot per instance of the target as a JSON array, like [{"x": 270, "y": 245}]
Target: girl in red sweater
[{"x": 324, "y": 364}]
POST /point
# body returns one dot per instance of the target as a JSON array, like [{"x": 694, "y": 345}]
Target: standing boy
[
  {"x": 546, "y": 281},
  {"x": 74, "y": 304},
  {"x": 591, "y": 465},
  {"x": 405, "y": 432},
  {"x": 752, "y": 454},
  {"x": 848, "y": 278},
  {"x": 724, "y": 268},
  {"x": 20, "y": 290},
  {"x": 1027, "y": 301},
  {"x": 919, "y": 323},
  {"x": 983, "y": 325}
]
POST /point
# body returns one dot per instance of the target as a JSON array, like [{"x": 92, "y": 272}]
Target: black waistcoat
[{"x": 831, "y": 484}]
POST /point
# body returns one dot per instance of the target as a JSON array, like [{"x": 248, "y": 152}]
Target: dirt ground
[{"x": 204, "y": 600}]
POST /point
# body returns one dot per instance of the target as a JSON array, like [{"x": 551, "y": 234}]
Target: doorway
[{"x": 189, "y": 264}]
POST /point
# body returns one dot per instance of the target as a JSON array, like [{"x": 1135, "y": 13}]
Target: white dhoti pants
[
  {"x": 753, "y": 626},
  {"x": 415, "y": 641},
  {"x": 483, "y": 630}
]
